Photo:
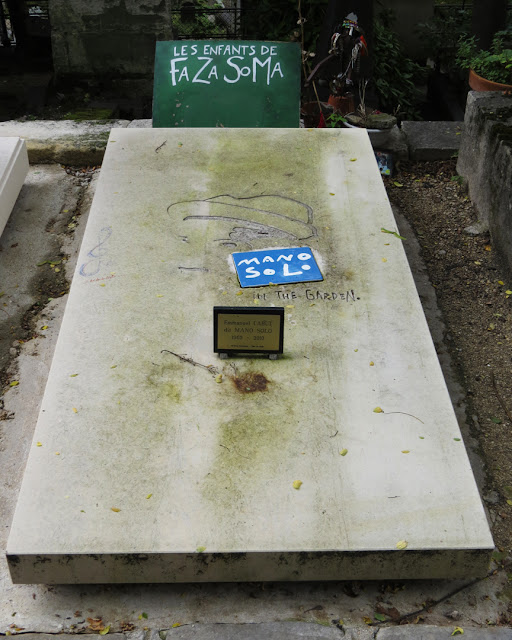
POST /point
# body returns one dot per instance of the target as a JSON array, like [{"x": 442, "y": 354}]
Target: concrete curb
[
  {"x": 432, "y": 140},
  {"x": 420, "y": 632},
  {"x": 63, "y": 141},
  {"x": 292, "y": 631},
  {"x": 84, "y": 143}
]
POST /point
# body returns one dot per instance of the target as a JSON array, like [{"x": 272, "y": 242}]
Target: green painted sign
[{"x": 214, "y": 83}]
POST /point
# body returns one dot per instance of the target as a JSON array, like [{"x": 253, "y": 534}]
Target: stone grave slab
[
  {"x": 154, "y": 460},
  {"x": 13, "y": 171}
]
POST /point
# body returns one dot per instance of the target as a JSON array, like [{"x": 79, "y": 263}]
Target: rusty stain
[{"x": 250, "y": 382}]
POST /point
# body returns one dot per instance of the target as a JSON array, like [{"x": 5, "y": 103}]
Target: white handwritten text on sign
[
  {"x": 276, "y": 266},
  {"x": 224, "y": 62}
]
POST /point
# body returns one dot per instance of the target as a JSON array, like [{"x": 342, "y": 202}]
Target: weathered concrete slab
[
  {"x": 485, "y": 161},
  {"x": 390, "y": 140},
  {"x": 145, "y": 469},
  {"x": 13, "y": 171},
  {"x": 432, "y": 140}
]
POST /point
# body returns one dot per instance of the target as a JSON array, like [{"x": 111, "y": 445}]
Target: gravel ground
[{"x": 474, "y": 292}]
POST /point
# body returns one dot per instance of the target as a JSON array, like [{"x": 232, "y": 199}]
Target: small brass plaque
[{"x": 245, "y": 329}]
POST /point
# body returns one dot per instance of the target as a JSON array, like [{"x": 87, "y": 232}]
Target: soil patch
[{"x": 474, "y": 294}]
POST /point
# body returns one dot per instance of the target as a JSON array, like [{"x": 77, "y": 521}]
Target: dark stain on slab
[{"x": 250, "y": 382}]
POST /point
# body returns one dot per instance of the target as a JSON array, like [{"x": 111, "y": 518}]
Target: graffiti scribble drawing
[
  {"x": 97, "y": 253},
  {"x": 270, "y": 216}
]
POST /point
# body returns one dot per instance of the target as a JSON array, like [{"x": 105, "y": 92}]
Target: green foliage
[
  {"x": 202, "y": 25},
  {"x": 271, "y": 20},
  {"x": 441, "y": 34},
  {"x": 494, "y": 65},
  {"x": 395, "y": 76},
  {"x": 335, "y": 120}
]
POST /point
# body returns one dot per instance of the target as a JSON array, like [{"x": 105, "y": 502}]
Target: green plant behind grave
[
  {"x": 396, "y": 76},
  {"x": 440, "y": 35},
  {"x": 495, "y": 64},
  {"x": 271, "y": 20},
  {"x": 201, "y": 26},
  {"x": 335, "y": 120}
]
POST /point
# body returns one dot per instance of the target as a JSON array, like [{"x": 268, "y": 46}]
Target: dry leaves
[{"x": 96, "y": 624}]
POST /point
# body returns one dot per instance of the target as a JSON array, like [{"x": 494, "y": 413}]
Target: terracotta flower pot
[
  {"x": 477, "y": 83},
  {"x": 311, "y": 113},
  {"x": 342, "y": 104}
]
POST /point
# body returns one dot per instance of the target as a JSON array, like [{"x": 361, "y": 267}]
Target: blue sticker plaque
[{"x": 276, "y": 266}]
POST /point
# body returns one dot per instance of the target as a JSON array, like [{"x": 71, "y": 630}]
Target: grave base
[{"x": 154, "y": 460}]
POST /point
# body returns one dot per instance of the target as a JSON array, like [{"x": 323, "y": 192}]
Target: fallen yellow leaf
[
  {"x": 332, "y": 194},
  {"x": 372, "y": 363},
  {"x": 406, "y": 451},
  {"x": 218, "y": 378},
  {"x": 402, "y": 544},
  {"x": 44, "y": 328},
  {"x": 500, "y": 282},
  {"x": 239, "y": 293},
  {"x": 458, "y": 631},
  {"x": 508, "y": 292},
  {"x": 149, "y": 496},
  {"x": 343, "y": 452},
  {"x": 488, "y": 247},
  {"x": 378, "y": 410},
  {"x": 290, "y": 306},
  {"x": 176, "y": 624},
  {"x": 75, "y": 410},
  {"x": 297, "y": 484},
  {"x": 102, "y": 284},
  {"x": 200, "y": 549},
  {"x": 115, "y": 509},
  {"x": 353, "y": 159},
  {"x": 39, "y": 444},
  {"x": 384, "y": 259},
  {"x": 104, "y": 631},
  {"x": 73, "y": 375},
  {"x": 14, "y": 383}
]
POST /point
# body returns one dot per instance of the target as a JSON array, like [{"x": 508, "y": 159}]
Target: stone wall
[
  {"x": 107, "y": 38},
  {"x": 485, "y": 161}
]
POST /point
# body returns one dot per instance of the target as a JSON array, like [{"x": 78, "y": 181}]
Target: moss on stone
[{"x": 89, "y": 114}]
